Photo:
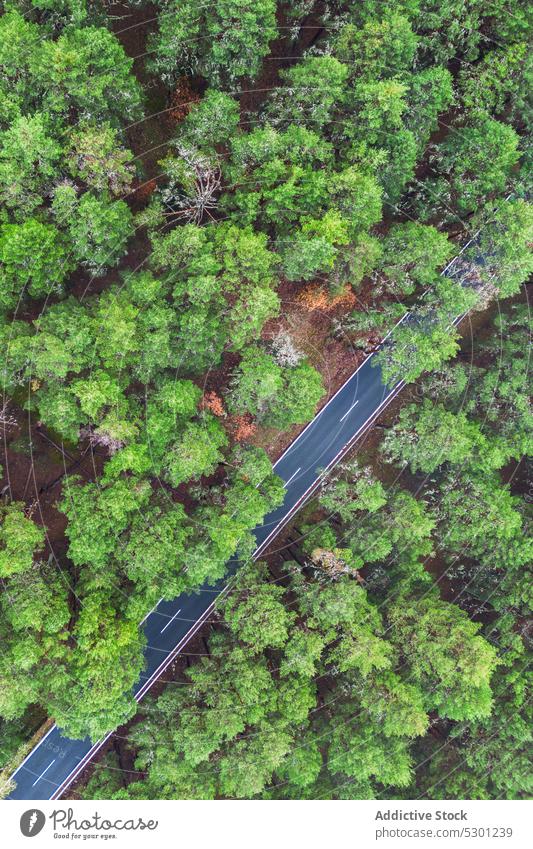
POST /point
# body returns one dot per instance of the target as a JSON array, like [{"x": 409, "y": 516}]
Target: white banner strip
[{"x": 255, "y": 824}]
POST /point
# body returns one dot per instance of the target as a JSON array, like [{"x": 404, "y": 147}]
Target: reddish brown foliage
[
  {"x": 315, "y": 297},
  {"x": 244, "y": 427},
  {"x": 212, "y": 401},
  {"x": 181, "y": 100},
  {"x": 143, "y": 192}
]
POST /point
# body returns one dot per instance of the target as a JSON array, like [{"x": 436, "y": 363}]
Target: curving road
[{"x": 56, "y": 761}]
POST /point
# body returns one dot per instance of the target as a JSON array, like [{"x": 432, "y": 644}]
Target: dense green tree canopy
[
  {"x": 20, "y": 537},
  {"x": 222, "y": 41},
  {"x": 278, "y": 396},
  {"x": 306, "y": 174},
  {"x": 80, "y": 77}
]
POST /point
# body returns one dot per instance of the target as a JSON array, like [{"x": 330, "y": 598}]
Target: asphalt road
[{"x": 56, "y": 760}]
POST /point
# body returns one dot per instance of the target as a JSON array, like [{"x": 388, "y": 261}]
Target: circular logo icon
[{"x": 32, "y": 822}]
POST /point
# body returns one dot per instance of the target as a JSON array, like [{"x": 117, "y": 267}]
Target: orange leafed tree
[
  {"x": 212, "y": 401},
  {"x": 144, "y": 191},
  {"x": 244, "y": 427},
  {"x": 314, "y": 297},
  {"x": 181, "y": 100}
]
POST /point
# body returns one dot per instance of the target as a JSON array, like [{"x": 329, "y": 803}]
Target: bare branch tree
[
  {"x": 194, "y": 187},
  {"x": 6, "y": 419}
]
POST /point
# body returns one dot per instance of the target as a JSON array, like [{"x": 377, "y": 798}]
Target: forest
[
  {"x": 382, "y": 653},
  {"x": 210, "y": 214}
]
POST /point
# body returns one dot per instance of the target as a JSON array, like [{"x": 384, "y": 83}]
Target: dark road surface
[
  {"x": 56, "y": 760},
  {"x": 54, "y": 763}
]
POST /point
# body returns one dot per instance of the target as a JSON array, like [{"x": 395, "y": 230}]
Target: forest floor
[
  {"x": 285, "y": 545},
  {"x": 37, "y": 463}
]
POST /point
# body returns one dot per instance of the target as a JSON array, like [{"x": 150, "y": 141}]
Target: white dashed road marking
[
  {"x": 292, "y": 476},
  {"x": 355, "y": 403},
  {"x": 42, "y": 773},
  {"x": 170, "y": 621}
]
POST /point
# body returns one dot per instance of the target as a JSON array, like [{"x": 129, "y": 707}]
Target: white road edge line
[
  {"x": 288, "y": 516},
  {"x": 170, "y": 621},
  {"x": 137, "y": 696},
  {"x": 200, "y": 621},
  {"x": 42, "y": 773},
  {"x": 370, "y": 356},
  {"x": 151, "y": 611},
  {"x": 292, "y": 476},
  {"x": 355, "y": 403},
  {"x": 81, "y": 765},
  {"x": 41, "y": 741}
]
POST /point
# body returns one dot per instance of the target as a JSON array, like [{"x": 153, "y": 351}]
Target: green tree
[
  {"x": 63, "y": 67},
  {"x": 34, "y": 614},
  {"x": 20, "y": 538},
  {"x": 15, "y": 339},
  {"x": 351, "y": 488},
  {"x": 428, "y": 436},
  {"x": 278, "y": 396},
  {"x": 419, "y": 344},
  {"x": 310, "y": 94},
  {"x": 29, "y": 156},
  {"x": 413, "y": 254},
  {"x": 448, "y": 28},
  {"x": 445, "y": 654},
  {"x": 222, "y": 281},
  {"x": 478, "y": 159},
  {"x": 499, "y": 82},
  {"x": 298, "y": 400},
  {"x": 98, "y": 699},
  {"x": 501, "y": 394},
  {"x": 254, "y": 610},
  {"x": 259, "y": 379},
  {"x": 430, "y": 94},
  {"x": 359, "y": 750},
  {"x": 212, "y": 121},
  {"x": 98, "y": 158},
  {"x": 222, "y": 41},
  {"x": 384, "y": 47},
  {"x": 33, "y": 259},
  {"x": 504, "y": 239},
  {"x": 487, "y": 758},
  {"x": 19, "y": 38},
  {"x": 97, "y": 515},
  {"x": 152, "y": 554},
  {"x": 56, "y": 14},
  {"x": 36, "y": 599},
  {"x": 99, "y": 231},
  {"x": 197, "y": 452},
  {"x": 479, "y": 516}
]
